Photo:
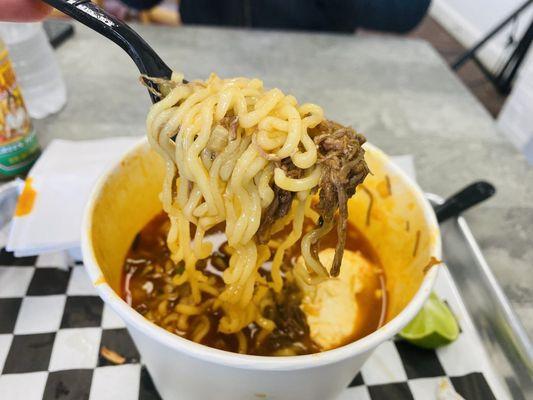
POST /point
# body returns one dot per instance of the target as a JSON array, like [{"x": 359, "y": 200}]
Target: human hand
[{"x": 23, "y": 10}]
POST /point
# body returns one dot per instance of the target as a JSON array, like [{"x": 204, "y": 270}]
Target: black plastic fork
[{"x": 89, "y": 14}]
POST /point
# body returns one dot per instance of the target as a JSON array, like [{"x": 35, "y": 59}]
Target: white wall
[{"x": 470, "y": 20}]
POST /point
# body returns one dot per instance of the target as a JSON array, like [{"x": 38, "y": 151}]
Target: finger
[{"x": 23, "y": 10}]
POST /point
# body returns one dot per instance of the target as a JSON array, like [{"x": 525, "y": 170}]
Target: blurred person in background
[{"x": 314, "y": 15}]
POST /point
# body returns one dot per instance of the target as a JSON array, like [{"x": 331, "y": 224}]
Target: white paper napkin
[{"x": 63, "y": 178}]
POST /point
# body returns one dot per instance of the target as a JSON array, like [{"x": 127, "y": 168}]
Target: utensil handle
[
  {"x": 94, "y": 17},
  {"x": 464, "y": 199}
]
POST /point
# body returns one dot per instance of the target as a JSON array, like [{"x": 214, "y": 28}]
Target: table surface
[{"x": 396, "y": 91}]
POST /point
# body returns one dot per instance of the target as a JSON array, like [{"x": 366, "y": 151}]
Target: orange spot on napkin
[{"x": 26, "y": 199}]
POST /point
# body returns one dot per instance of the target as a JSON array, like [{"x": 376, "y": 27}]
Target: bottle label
[{"x": 19, "y": 147}]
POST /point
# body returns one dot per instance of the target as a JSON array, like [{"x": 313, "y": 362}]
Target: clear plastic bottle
[{"x": 37, "y": 69}]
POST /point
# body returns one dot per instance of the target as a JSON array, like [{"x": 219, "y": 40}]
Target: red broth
[{"x": 147, "y": 284}]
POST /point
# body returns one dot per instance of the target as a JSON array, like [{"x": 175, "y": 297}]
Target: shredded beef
[
  {"x": 341, "y": 157},
  {"x": 281, "y": 204}
]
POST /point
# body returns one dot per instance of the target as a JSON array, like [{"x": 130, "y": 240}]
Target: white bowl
[{"x": 126, "y": 198}]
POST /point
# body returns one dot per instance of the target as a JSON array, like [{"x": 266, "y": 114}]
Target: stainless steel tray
[{"x": 500, "y": 330}]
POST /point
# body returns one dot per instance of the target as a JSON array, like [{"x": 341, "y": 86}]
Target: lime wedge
[{"x": 433, "y": 327}]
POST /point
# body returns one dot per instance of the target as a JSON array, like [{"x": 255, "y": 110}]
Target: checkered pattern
[{"x": 53, "y": 324}]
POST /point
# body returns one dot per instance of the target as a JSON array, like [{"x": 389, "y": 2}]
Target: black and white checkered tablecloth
[{"x": 53, "y": 324}]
